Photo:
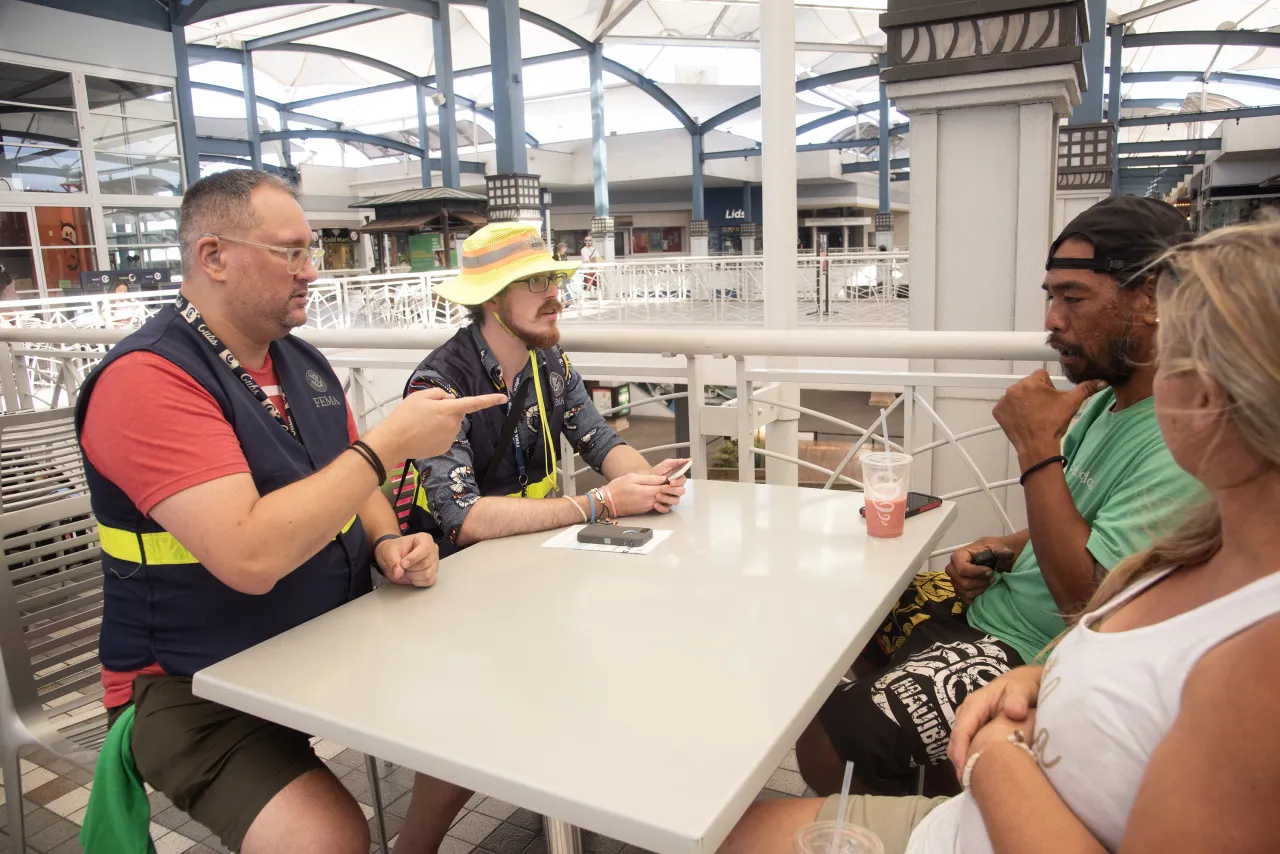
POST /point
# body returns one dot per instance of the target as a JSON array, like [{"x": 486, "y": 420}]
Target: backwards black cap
[{"x": 1127, "y": 233}]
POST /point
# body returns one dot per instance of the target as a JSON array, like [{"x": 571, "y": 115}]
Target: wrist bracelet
[
  {"x": 372, "y": 459},
  {"x": 613, "y": 508},
  {"x": 592, "y": 500},
  {"x": 382, "y": 540},
  {"x": 1057, "y": 458},
  {"x": 1015, "y": 738},
  {"x": 576, "y": 506}
]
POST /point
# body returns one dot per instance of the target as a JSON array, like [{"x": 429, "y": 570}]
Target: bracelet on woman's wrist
[{"x": 1015, "y": 738}]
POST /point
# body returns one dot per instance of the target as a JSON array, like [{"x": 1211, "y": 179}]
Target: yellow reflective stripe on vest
[
  {"x": 541, "y": 489},
  {"x": 161, "y": 546}
]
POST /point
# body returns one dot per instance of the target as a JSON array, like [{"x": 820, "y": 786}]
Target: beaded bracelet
[
  {"x": 1016, "y": 738},
  {"x": 576, "y": 506}
]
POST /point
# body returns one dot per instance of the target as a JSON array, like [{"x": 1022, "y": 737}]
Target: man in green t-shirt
[{"x": 1095, "y": 493}]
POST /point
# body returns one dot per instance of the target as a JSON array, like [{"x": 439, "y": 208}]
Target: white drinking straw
[
  {"x": 837, "y": 837},
  {"x": 884, "y": 430}
]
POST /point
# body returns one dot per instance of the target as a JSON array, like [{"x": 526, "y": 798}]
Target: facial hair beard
[
  {"x": 1120, "y": 363},
  {"x": 530, "y": 338}
]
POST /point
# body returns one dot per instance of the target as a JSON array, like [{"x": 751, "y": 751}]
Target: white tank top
[{"x": 1106, "y": 702}]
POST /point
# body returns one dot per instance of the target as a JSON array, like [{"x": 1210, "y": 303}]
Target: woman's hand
[
  {"x": 997, "y": 730},
  {"x": 1011, "y": 695}
]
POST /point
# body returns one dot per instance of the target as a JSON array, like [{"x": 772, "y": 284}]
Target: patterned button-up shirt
[{"x": 450, "y": 480}]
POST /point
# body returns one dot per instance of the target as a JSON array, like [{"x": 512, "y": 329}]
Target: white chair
[{"x": 51, "y": 603}]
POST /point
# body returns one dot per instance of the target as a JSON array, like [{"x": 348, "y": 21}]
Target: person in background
[
  {"x": 1095, "y": 492},
  {"x": 562, "y": 252},
  {"x": 589, "y": 253},
  {"x": 234, "y": 501},
  {"x": 482, "y": 487},
  {"x": 1150, "y": 726}
]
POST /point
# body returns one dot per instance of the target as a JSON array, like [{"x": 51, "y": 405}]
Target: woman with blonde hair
[{"x": 1151, "y": 726}]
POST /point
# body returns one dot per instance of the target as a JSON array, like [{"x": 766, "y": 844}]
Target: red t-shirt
[{"x": 154, "y": 431}]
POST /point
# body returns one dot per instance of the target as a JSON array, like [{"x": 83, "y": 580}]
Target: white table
[{"x": 646, "y": 698}]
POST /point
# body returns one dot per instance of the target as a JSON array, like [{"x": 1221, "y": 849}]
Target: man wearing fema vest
[
  {"x": 234, "y": 502},
  {"x": 482, "y": 487}
]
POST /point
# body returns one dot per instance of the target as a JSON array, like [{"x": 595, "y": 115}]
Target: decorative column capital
[
  {"x": 602, "y": 225},
  {"x": 1085, "y": 155},
  {"x": 698, "y": 228},
  {"x": 514, "y": 196},
  {"x": 930, "y": 39}
]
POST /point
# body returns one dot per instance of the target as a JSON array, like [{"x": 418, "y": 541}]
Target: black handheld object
[
  {"x": 990, "y": 560},
  {"x": 917, "y": 503},
  {"x": 986, "y": 558},
  {"x": 615, "y": 535}
]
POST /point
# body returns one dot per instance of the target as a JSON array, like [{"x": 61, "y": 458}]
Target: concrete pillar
[
  {"x": 698, "y": 226},
  {"x": 251, "y": 112},
  {"x": 750, "y": 236},
  {"x": 1095, "y": 58},
  {"x": 508, "y": 85},
  {"x": 450, "y": 174},
  {"x": 698, "y": 238},
  {"x": 599, "y": 146},
  {"x": 699, "y": 201},
  {"x": 425, "y": 164},
  {"x": 984, "y": 134},
  {"x": 1114, "y": 96},
  {"x": 778, "y": 113},
  {"x": 186, "y": 111}
]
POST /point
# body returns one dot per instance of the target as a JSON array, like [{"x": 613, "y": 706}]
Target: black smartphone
[
  {"x": 917, "y": 503},
  {"x": 615, "y": 535}
]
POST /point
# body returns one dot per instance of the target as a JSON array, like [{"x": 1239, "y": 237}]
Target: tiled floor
[{"x": 55, "y": 794}]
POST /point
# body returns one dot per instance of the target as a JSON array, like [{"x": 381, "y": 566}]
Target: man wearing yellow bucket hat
[{"x": 511, "y": 284}]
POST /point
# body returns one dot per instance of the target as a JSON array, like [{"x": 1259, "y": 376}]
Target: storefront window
[
  {"x": 143, "y": 238},
  {"x": 1223, "y": 212},
  {"x": 17, "y": 260},
  {"x": 341, "y": 247},
  {"x": 648, "y": 240},
  {"x": 39, "y": 132},
  {"x": 135, "y": 137},
  {"x": 66, "y": 246}
]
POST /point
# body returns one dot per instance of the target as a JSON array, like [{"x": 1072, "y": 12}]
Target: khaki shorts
[
  {"x": 217, "y": 765},
  {"x": 890, "y": 818}
]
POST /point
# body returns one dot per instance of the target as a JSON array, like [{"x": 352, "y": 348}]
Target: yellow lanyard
[{"x": 548, "y": 445}]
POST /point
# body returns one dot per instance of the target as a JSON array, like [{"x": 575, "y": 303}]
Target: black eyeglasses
[{"x": 543, "y": 282}]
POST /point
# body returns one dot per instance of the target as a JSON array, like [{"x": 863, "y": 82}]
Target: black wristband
[
  {"x": 383, "y": 539},
  {"x": 372, "y": 458},
  {"x": 1022, "y": 481}
]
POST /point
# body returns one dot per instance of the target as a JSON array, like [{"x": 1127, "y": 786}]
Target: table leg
[
  {"x": 562, "y": 837},
  {"x": 379, "y": 820}
]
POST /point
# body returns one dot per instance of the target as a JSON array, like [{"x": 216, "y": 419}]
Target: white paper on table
[{"x": 568, "y": 539}]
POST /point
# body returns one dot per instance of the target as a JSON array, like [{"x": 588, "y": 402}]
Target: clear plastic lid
[{"x": 816, "y": 838}]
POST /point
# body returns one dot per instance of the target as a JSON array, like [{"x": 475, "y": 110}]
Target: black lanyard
[
  {"x": 191, "y": 315},
  {"x": 522, "y": 464}
]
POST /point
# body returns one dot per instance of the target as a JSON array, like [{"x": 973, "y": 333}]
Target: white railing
[
  {"x": 855, "y": 289},
  {"x": 368, "y": 355}
]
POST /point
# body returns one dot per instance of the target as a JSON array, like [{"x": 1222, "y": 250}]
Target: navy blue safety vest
[
  {"x": 458, "y": 361},
  {"x": 160, "y": 604}
]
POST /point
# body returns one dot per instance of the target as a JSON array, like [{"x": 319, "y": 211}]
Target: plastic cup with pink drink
[{"x": 886, "y": 480}]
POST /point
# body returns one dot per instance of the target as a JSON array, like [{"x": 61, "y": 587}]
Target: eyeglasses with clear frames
[
  {"x": 542, "y": 283},
  {"x": 295, "y": 257}
]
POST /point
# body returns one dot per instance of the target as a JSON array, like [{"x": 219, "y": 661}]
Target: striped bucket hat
[{"x": 497, "y": 255}]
